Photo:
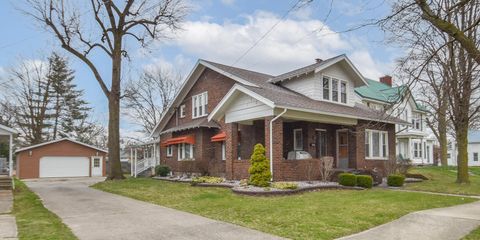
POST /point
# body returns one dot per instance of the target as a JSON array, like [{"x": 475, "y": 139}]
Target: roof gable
[{"x": 60, "y": 140}]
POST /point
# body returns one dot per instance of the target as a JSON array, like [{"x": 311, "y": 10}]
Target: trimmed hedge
[
  {"x": 347, "y": 179},
  {"x": 285, "y": 185},
  {"x": 365, "y": 181},
  {"x": 162, "y": 170},
  {"x": 207, "y": 179},
  {"x": 395, "y": 180}
]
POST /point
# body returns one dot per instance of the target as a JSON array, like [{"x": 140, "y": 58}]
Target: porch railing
[{"x": 143, "y": 165}]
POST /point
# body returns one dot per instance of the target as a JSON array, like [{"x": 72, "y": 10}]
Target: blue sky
[{"x": 221, "y": 30}]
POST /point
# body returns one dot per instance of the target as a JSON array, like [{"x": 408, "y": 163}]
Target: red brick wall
[
  {"x": 29, "y": 166},
  {"x": 207, "y": 154}
]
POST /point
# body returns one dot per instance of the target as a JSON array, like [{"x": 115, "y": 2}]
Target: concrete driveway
[{"x": 93, "y": 214}]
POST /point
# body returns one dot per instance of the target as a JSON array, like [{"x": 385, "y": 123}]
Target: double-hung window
[
  {"x": 376, "y": 144},
  {"x": 297, "y": 139},
  {"x": 475, "y": 156},
  {"x": 334, "y": 90},
  {"x": 417, "y": 121},
  {"x": 182, "y": 111},
  {"x": 185, "y": 151},
  {"x": 199, "y": 105},
  {"x": 417, "y": 150},
  {"x": 169, "y": 150}
]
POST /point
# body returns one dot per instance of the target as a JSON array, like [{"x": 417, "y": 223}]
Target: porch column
[
  {"x": 10, "y": 156},
  {"x": 131, "y": 161},
  {"x": 231, "y": 151},
  {"x": 277, "y": 145}
]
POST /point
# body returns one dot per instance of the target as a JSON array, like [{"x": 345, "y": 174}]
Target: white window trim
[
  {"x": 370, "y": 144},
  {"x": 169, "y": 151},
  {"x": 295, "y": 139},
  {"x": 204, "y": 99},
  {"x": 180, "y": 149},
  {"x": 339, "y": 90},
  {"x": 182, "y": 111}
]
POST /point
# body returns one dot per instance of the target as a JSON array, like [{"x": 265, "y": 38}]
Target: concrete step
[{"x": 5, "y": 187}]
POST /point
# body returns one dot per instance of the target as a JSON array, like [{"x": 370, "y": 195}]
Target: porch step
[{"x": 5, "y": 183}]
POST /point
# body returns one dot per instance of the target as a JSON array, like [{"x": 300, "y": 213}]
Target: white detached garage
[{"x": 61, "y": 158}]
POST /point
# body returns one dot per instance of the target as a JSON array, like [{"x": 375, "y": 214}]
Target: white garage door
[{"x": 64, "y": 167}]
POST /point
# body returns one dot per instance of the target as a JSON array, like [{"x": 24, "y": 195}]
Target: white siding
[
  {"x": 306, "y": 85},
  {"x": 246, "y": 108}
]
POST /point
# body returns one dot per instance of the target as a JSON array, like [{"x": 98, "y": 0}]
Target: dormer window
[
  {"x": 199, "y": 105},
  {"x": 334, "y": 90}
]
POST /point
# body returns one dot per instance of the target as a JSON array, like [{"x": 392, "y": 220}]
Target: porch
[{"x": 6, "y": 166}]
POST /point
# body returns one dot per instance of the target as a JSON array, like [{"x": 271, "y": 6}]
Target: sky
[{"x": 222, "y": 31}]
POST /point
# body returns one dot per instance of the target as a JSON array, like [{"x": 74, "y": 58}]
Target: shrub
[
  {"x": 162, "y": 170},
  {"x": 326, "y": 168},
  {"x": 365, "y": 181},
  {"x": 285, "y": 185},
  {"x": 416, "y": 175},
  {"x": 395, "y": 180},
  {"x": 207, "y": 179},
  {"x": 347, "y": 179},
  {"x": 259, "y": 167}
]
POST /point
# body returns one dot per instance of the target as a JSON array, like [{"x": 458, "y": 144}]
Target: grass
[
  {"x": 34, "y": 221},
  {"x": 442, "y": 179},
  {"x": 314, "y": 215},
  {"x": 474, "y": 235}
]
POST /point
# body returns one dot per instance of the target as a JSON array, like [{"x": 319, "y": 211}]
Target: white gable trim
[
  {"x": 340, "y": 58},
  {"x": 59, "y": 140},
  {"x": 8, "y": 129},
  {"x": 188, "y": 84},
  {"x": 220, "y": 108}
]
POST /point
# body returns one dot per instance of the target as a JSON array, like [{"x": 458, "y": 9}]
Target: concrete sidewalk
[
  {"x": 435, "y": 224},
  {"x": 93, "y": 214},
  {"x": 8, "y": 225}
]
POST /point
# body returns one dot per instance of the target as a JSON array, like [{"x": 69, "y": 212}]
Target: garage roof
[{"x": 59, "y": 140}]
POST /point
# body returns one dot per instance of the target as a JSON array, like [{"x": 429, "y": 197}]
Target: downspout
[{"x": 271, "y": 141}]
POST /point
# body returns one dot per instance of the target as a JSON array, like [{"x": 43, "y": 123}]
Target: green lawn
[
  {"x": 315, "y": 215},
  {"x": 474, "y": 235},
  {"x": 34, "y": 221},
  {"x": 442, "y": 179}
]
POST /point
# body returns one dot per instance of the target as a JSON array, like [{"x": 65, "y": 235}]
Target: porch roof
[
  {"x": 196, "y": 123},
  {"x": 274, "y": 98},
  {"x": 7, "y": 130}
]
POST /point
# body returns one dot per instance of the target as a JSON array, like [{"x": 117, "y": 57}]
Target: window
[
  {"x": 475, "y": 156},
  {"x": 334, "y": 90},
  {"x": 321, "y": 143},
  {"x": 343, "y": 92},
  {"x": 326, "y": 88},
  {"x": 376, "y": 144},
  {"x": 182, "y": 111},
  {"x": 417, "y": 121},
  {"x": 169, "y": 151},
  {"x": 199, "y": 105},
  {"x": 297, "y": 139},
  {"x": 96, "y": 162},
  {"x": 185, "y": 151},
  {"x": 223, "y": 151},
  {"x": 417, "y": 150}
]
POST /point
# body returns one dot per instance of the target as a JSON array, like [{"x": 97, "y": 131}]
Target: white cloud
[{"x": 292, "y": 44}]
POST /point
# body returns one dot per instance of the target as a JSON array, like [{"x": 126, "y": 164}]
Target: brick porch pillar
[
  {"x": 277, "y": 146},
  {"x": 231, "y": 145}
]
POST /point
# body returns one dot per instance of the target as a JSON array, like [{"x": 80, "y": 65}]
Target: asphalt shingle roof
[
  {"x": 285, "y": 97},
  {"x": 196, "y": 123}
]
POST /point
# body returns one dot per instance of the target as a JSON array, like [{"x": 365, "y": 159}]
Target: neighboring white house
[
  {"x": 473, "y": 149},
  {"x": 414, "y": 142}
]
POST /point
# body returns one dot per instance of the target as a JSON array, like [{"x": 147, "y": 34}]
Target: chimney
[
  {"x": 318, "y": 60},
  {"x": 386, "y": 80}
]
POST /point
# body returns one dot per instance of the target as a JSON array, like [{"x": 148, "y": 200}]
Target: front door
[
  {"x": 97, "y": 166},
  {"x": 342, "y": 149}
]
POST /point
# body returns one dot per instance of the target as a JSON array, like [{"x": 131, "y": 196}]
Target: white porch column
[
  {"x": 10, "y": 153},
  {"x": 131, "y": 161},
  {"x": 154, "y": 154},
  {"x": 135, "y": 168}
]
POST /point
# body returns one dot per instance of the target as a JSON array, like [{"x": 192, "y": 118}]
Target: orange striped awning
[
  {"x": 219, "y": 137},
  {"x": 190, "y": 139}
]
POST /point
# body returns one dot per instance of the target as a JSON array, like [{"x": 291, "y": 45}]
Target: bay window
[
  {"x": 334, "y": 90},
  {"x": 199, "y": 105},
  {"x": 376, "y": 144},
  {"x": 185, "y": 151}
]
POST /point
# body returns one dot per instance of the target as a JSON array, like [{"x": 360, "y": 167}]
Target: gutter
[{"x": 271, "y": 141}]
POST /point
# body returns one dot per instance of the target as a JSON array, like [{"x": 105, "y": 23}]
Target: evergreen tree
[{"x": 259, "y": 167}]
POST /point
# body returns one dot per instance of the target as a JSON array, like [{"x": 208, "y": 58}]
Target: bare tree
[
  {"x": 441, "y": 63},
  {"x": 149, "y": 96},
  {"x": 110, "y": 25}
]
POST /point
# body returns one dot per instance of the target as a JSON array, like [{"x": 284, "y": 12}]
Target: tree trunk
[
  {"x": 462, "y": 158},
  {"x": 114, "y": 116},
  {"x": 442, "y": 133}
]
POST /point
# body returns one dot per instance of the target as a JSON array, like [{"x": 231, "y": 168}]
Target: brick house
[{"x": 221, "y": 112}]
